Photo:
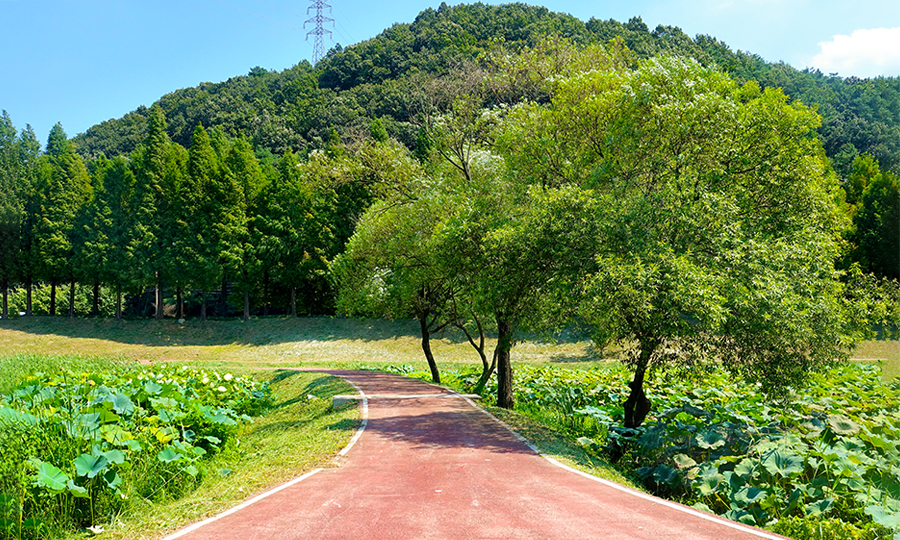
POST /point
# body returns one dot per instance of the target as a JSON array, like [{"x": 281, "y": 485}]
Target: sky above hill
[{"x": 80, "y": 63}]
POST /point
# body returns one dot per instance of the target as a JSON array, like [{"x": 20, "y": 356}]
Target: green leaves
[
  {"x": 168, "y": 455},
  {"x": 112, "y": 426},
  {"x": 89, "y": 465},
  {"x": 50, "y": 477},
  {"x": 782, "y": 463},
  {"x": 719, "y": 443},
  {"x": 842, "y": 425}
]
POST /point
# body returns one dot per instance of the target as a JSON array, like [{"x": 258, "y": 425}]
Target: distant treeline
[{"x": 167, "y": 220}]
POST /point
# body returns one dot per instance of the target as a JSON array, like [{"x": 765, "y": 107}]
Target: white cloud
[{"x": 864, "y": 53}]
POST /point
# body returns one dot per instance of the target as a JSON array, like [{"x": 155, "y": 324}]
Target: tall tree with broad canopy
[{"x": 718, "y": 229}]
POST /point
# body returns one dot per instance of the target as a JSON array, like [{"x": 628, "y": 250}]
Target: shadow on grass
[
  {"x": 262, "y": 331},
  {"x": 256, "y": 332}
]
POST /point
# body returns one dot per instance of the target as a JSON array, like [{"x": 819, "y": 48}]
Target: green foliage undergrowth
[{"x": 76, "y": 447}]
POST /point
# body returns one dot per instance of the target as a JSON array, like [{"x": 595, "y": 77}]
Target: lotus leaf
[
  {"x": 112, "y": 479},
  {"x": 748, "y": 495},
  {"x": 783, "y": 463},
  {"x": 663, "y": 474},
  {"x": 90, "y": 465},
  {"x": 168, "y": 455},
  {"x": 50, "y": 477},
  {"x": 122, "y": 404},
  {"x": 683, "y": 461},
  {"x": 741, "y": 516},
  {"x": 114, "y": 456},
  {"x": 842, "y": 425},
  {"x": 819, "y": 507},
  {"x": 710, "y": 439},
  {"x": 76, "y": 490},
  {"x": 884, "y": 516}
]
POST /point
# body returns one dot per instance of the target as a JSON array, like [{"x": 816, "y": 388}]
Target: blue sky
[{"x": 80, "y": 63}]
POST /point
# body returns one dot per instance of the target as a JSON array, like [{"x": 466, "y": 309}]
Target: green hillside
[{"x": 297, "y": 108}]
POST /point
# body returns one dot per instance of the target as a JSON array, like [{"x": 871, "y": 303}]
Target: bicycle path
[{"x": 429, "y": 464}]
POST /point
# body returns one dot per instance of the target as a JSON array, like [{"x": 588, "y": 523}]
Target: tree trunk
[
  {"x": 426, "y": 346},
  {"x": 5, "y": 299},
  {"x": 222, "y": 307},
  {"x": 486, "y": 369},
  {"x": 637, "y": 405},
  {"x": 159, "y": 298},
  {"x": 72, "y": 299},
  {"x": 119, "y": 301},
  {"x": 293, "y": 301},
  {"x": 95, "y": 308},
  {"x": 266, "y": 293},
  {"x": 179, "y": 302},
  {"x": 505, "y": 397},
  {"x": 203, "y": 305},
  {"x": 246, "y": 305},
  {"x": 28, "y": 297},
  {"x": 52, "y": 297}
]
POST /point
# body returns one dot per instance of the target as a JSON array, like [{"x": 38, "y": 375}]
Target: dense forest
[{"x": 234, "y": 196}]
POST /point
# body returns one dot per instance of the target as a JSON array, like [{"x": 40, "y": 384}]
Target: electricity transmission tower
[{"x": 318, "y": 32}]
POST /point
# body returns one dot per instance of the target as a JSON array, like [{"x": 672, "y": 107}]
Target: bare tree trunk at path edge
[
  {"x": 5, "y": 299},
  {"x": 505, "y": 397},
  {"x": 28, "y": 288},
  {"x": 426, "y": 347},
  {"x": 119, "y": 301}
]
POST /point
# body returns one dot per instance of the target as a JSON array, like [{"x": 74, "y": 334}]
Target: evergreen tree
[
  {"x": 159, "y": 164},
  {"x": 878, "y": 226},
  {"x": 11, "y": 207},
  {"x": 64, "y": 186},
  {"x": 29, "y": 163},
  {"x": 104, "y": 250},
  {"x": 242, "y": 256}
]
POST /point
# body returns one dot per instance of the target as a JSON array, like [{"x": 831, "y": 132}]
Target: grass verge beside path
[
  {"x": 560, "y": 447},
  {"x": 301, "y": 433}
]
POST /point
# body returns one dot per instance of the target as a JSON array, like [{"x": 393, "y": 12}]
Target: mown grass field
[
  {"x": 270, "y": 342},
  {"x": 311, "y": 341}
]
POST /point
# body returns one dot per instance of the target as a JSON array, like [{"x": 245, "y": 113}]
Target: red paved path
[{"x": 437, "y": 467}]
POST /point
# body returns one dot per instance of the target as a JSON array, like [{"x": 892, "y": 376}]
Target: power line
[{"x": 318, "y": 32}]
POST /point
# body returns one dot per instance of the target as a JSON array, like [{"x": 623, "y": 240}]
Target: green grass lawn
[
  {"x": 887, "y": 351},
  {"x": 270, "y": 342}
]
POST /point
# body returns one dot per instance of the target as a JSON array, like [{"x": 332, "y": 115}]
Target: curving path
[{"x": 429, "y": 464}]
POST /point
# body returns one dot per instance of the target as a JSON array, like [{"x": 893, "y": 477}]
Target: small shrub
[{"x": 817, "y": 528}]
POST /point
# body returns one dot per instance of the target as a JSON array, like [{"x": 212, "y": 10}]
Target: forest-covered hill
[{"x": 297, "y": 108}]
